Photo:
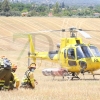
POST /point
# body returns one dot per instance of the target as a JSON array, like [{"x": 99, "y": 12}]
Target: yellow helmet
[{"x": 32, "y": 65}]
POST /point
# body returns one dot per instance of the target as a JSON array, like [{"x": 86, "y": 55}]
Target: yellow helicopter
[{"x": 72, "y": 54}]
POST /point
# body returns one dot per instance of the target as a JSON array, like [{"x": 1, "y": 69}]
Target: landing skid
[{"x": 71, "y": 76}]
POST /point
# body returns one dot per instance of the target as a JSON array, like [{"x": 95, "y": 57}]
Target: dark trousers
[{"x": 5, "y": 74}]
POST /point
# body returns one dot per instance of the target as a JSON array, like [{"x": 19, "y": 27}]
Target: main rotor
[{"x": 73, "y": 32}]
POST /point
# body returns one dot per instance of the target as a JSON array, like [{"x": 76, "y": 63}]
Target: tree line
[{"x": 17, "y": 9}]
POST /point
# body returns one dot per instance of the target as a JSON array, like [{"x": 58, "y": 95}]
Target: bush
[
  {"x": 15, "y": 13},
  {"x": 5, "y": 13},
  {"x": 10, "y": 13}
]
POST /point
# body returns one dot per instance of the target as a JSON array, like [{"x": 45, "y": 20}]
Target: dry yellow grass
[{"x": 47, "y": 89}]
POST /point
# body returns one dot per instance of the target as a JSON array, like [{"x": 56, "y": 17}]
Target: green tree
[
  {"x": 63, "y": 5},
  {"x": 97, "y": 9},
  {"x": 32, "y": 13},
  {"x": 56, "y": 9},
  {"x": 42, "y": 10},
  {"x": 65, "y": 12},
  {"x": 5, "y": 6}
]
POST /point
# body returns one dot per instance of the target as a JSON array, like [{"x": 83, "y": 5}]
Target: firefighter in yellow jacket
[
  {"x": 15, "y": 82},
  {"x": 28, "y": 80}
]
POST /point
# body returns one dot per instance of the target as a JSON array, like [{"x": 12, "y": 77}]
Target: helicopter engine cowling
[{"x": 83, "y": 66}]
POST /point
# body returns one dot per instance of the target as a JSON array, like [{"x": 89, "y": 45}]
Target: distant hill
[
  {"x": 82, "y": 2},
  {"x": 71, "y": 2}
]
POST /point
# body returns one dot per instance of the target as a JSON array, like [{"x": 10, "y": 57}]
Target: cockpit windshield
[
  {"x": 86, "y": 51},
  {"x": 83, "y": 52},
  {"x": 95, "y": 51},
  {"x": 79, "y": 53}
]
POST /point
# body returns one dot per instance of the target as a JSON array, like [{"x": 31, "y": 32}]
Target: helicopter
[{"x": 72, "y": 55}]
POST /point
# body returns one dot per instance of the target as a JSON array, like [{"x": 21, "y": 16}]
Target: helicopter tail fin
[{"x": 32, "y": 49}]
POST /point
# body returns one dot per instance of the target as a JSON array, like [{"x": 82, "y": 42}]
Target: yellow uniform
[
  {"x": 31, "y": 77},
  {"x": 28, "y": 80},
  {"x": 15, "y": 82}
]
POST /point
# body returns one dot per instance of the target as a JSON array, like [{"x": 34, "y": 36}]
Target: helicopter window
[
  {"x": 86, "y": 51},
  {"x": 52, "y": 54},
  {"x": 95, "y": 51},
  {"x": 65, "y": 55},
  {"x": 71, "y": 54},
  {"x": 79, "y": 53}
]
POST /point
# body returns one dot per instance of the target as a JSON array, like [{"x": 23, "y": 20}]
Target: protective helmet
[
  {"x": 32, "y": 65},
  {"x": 14, "y": 66}
]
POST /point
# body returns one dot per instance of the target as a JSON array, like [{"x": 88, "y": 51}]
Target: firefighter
[
  {"x": 14, "y": 82},
  {"x": 28, "y": 80},
  {"x": 5, "y": 73}
]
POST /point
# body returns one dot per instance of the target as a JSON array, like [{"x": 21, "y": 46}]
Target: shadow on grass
[{"x": 73, "y": 80}]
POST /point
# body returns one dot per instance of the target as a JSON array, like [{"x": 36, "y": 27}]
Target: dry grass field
[{"x": 15, "y": 47}]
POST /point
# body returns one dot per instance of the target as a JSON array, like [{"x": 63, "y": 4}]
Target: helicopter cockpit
[
  {"x": 83, "y": 52},
  {"x": 86, "y": 52},
  {"x": 95, "y": 51}
]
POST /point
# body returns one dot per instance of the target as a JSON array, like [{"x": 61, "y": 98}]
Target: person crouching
[{"x": 28, "y": 80}]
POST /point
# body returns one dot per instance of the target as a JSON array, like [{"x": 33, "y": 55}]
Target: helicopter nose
[
  {"x": 96, "y": 63},
  {"x": 93, "y": 63}
]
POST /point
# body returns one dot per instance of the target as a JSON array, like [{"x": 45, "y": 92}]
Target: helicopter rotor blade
[
  {"x": 89, "y": 30},
  {"x": 72, "y": 29},
  {"x": 86, "y": 35},
  {"x": 24, "y": 35},
  {"x": 62, "y": 30}
]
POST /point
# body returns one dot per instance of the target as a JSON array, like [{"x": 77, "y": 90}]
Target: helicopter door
[{"x": 71, "y": 57}]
